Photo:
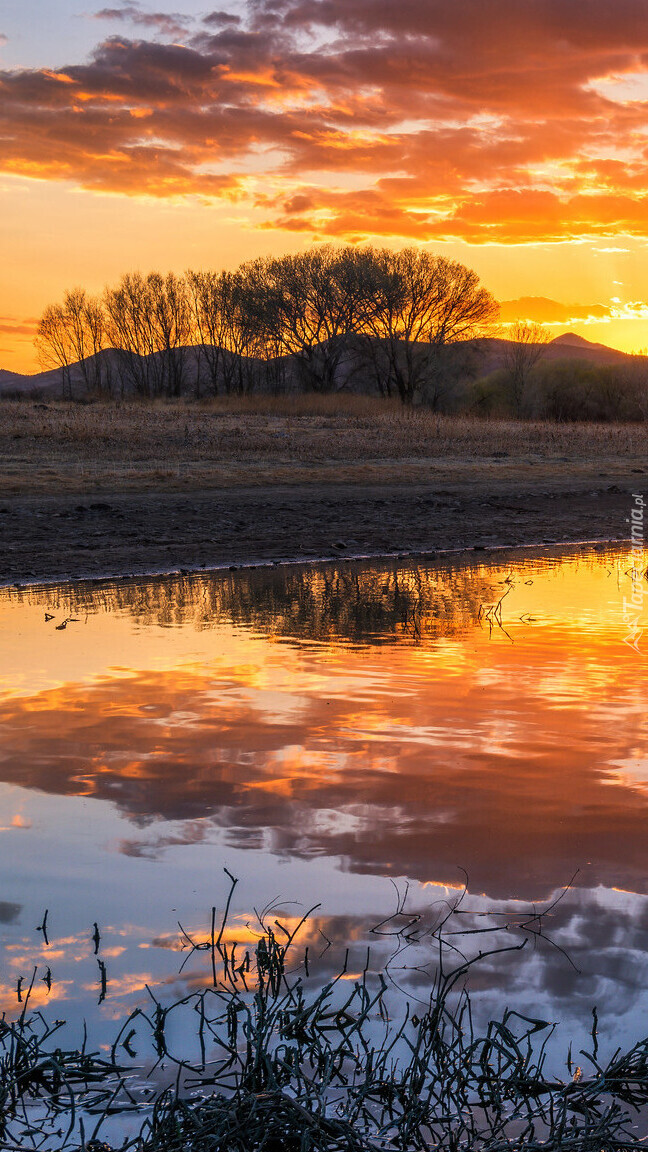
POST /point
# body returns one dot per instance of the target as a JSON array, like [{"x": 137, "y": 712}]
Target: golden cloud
[{"x": 484, "y": 123}]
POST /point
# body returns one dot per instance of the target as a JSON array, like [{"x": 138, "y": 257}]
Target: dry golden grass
[{"x": 300, "y": 439}]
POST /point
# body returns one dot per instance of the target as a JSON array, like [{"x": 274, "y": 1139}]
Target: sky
[{"x": 511, "y": 135}]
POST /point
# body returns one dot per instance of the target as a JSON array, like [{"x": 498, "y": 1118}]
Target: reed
[
  {"x": 175, "y": 446},
  {"x": 290, "y": 1064}
]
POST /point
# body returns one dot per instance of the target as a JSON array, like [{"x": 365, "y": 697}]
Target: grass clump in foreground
[{"x": 288, "y": 1066}]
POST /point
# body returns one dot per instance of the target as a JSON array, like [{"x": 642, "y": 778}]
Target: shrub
[{"x": 578, "y": 390}]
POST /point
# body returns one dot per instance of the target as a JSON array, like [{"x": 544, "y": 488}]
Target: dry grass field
[
  {"x": 135, "y": 447},
  {"x": 88, "y": 490}
]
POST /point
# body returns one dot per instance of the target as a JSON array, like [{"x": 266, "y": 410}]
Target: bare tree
[
  {"x": 421, "y": 305},
  {"x": 309, "y": 303},
  {"x": 226, "y": 323},
  {"x": 525, "y": 346},
  {"x": 171, "y": 326},
  {"x": 316, "y": 309},
  {"x": 149, "y": 322},
  {"x": 84, "y": 316},
  {"x": 206, "y": 303},
  {"x": 71, "y": 336},
  {"x": 94, "y": 319},
  {"x": 130, "y": 331},
  {"x": 54, "y": 344}
]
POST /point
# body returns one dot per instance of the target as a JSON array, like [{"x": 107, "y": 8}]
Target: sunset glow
[
  {"x": 324, "y": 740},
  {"x": 512, "y": 138}
]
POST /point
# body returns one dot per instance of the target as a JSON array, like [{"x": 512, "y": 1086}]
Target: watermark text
[{"x": 633, "y": 607}]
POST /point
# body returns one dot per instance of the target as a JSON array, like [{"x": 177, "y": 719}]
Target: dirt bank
[{"x": 58, "y": 537}]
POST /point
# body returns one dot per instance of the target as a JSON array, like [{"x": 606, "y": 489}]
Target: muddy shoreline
[{"x": 68, "y": 537}]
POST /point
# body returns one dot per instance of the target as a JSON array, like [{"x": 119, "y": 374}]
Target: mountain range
[{"x": 487, "y": 354}]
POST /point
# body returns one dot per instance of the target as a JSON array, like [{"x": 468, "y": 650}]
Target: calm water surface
[{"x": 322, "y": 732}]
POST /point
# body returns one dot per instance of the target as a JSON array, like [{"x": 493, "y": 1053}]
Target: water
[{"x": 328, "y": 735}]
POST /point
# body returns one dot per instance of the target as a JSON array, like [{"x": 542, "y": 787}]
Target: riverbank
[
  {"x": 61, "y": 537},
  {"x": 98, "y": 490}
]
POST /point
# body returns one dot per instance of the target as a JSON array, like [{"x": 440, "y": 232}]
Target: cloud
[
  {"x": 9, "y": 912},
  {"x": 11, "y": 327},
  {"x": 219, "y": 19},
  {"x": 3, "y": 39},
  {"x": 166, "y": 23},
  {"x": 540, "y": 310},
  {"x": 489, "y": 124}
]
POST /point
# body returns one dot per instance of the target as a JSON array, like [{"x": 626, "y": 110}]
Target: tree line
[{"x": 310, "y": 320}]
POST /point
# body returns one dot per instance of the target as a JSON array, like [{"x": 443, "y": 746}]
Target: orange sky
[{"x": 510, "y": 136}]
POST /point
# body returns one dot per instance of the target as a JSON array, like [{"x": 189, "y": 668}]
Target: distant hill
[
  {"x": 572, "y": 345},
  {"x": 566, "y": 347},
  {"x": 50, "y": 382},
  {"x": 479, "y": 357},
  {"x": 41, "y": 381}
]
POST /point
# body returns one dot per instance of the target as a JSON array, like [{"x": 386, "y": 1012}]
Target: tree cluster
[
  {"x": 309, "y": 320},
  {"x": 564, "y": 390}
]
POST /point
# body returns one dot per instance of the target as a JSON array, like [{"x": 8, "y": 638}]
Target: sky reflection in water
[{"x": 318, "y": 732}]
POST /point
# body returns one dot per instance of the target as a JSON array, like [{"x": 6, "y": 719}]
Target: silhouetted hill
[
  {"x": 194, "y": 367},
  {"x": 50, "y": 382},
  {"x": 572, "y": 346},
  {"x": 567, "y": 347}
]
